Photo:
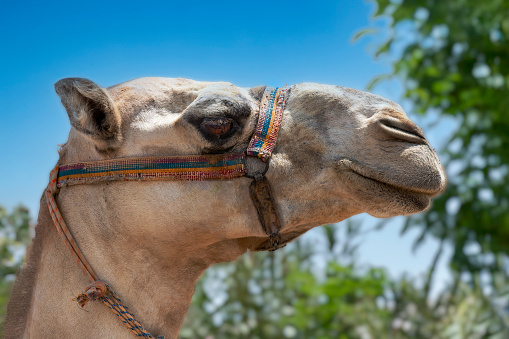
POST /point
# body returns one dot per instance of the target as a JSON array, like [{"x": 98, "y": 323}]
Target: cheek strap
[
  {"x": 261, "y": 194},
  {"x": 261, "y": 145}
]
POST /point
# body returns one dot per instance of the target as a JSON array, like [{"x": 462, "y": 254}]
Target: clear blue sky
[
  {"x": 246, "y": 43},
  {"x": 243, "y": 42}
]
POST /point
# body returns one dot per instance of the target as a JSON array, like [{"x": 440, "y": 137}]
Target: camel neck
[{"x": 157, "y": 285}]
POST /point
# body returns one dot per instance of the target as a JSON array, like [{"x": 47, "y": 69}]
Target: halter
[{"x": 189, "y": 167}]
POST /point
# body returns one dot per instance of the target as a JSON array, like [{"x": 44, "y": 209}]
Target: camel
[{"x": 339, "y": 152}]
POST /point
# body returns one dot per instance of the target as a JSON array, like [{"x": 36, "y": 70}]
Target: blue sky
[
  {"x": 246, "y": 43},
  {"x": 274, "y": 43}
]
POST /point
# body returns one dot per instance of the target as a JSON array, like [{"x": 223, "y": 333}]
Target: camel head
[{"x": 339, "y": 152}]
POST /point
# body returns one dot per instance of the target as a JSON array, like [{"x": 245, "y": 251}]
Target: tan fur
[{"x": 340, "y": 152}]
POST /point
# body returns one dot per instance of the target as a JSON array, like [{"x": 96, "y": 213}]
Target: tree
[
  {"x": 274, "y": 295},
  {"x": 281, "y": 295},
  {"x": 453, "y": 59},
  {"x": 14, "y": 237}
]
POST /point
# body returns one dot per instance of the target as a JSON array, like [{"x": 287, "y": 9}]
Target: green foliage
[
  {"x": 339, "y": 305},
  {"x": 453, "y": 58},
  {"x": 275, "y": 295},
  {"x": 14, "y": 237},
  {"x": 282, "y": 295}
]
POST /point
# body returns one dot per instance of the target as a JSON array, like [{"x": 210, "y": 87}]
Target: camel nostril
[{"x": 405, "y": 130}]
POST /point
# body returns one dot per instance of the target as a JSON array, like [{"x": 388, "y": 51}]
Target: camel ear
[
  {"x": 91, "y": 111},
  {"x": 257, "y": 92}
]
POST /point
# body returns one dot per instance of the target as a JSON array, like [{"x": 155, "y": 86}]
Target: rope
[{"x": 97, "y": 290}]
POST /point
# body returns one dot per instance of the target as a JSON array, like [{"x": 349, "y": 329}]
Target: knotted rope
[{"x": 97, "y": 290}]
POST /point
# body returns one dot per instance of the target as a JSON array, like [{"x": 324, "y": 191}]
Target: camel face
[{"x": 339, "y": 152}]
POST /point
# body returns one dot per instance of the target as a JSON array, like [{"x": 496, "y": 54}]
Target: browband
[{"x": 188, "y": 167}]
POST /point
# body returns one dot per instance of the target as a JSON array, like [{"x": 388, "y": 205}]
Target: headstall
[{"x": 191, "y": 168}]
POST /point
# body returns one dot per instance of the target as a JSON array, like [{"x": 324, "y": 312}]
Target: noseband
[{"x": 190, "y": 168}]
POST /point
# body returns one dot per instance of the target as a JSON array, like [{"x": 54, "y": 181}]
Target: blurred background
[{"x": 439, "y": 274}]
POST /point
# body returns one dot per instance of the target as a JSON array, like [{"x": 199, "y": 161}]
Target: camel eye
[{"x": 217, "y": 126}]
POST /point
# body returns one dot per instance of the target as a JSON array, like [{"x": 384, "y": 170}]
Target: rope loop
[
  {"x": 275, "y": 240},
  {"x": 93, "y": 292},
  {"x": 53, "y": 176}
]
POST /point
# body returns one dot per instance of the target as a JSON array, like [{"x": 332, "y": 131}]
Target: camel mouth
[
  {"x": 383, "y": 200},
  {"x": 405, "y": 189},
  {"x": 419, "y": 186}
]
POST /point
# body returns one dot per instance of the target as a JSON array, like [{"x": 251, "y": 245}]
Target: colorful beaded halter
[
  {"x": 190, "y": 167},
  {"x": 271, "y": 112}
]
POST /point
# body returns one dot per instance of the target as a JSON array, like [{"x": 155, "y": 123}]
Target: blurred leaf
[
  {"x": 378, "y": 79},
  {"x": 362, "y": 33}
]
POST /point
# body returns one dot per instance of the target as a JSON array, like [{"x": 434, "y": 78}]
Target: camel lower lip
[
  {"x": 404, "y": 201},
  {"x": 399, "y": 188},
  {"x": 421, "y": 187}
]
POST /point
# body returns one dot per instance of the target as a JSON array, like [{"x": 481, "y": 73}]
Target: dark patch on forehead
[{"x": 236, "y": 108}]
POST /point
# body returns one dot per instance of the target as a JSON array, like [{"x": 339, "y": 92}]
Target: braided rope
[{"x": 107, "y": 296}]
